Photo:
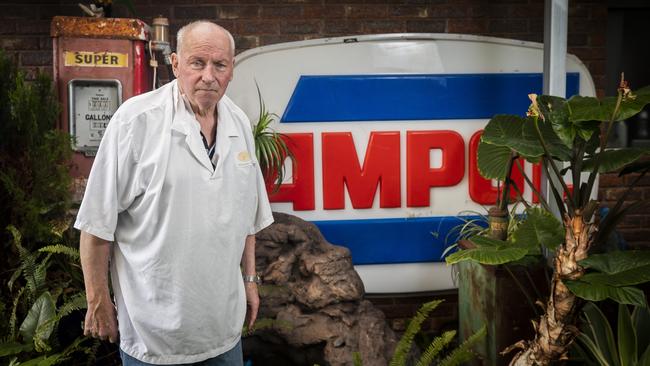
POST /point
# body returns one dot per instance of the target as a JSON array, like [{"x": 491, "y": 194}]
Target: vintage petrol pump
[{"x": 98, "y": 63}]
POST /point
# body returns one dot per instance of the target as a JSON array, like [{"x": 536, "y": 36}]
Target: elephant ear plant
[{"x": 568, "y": 138}]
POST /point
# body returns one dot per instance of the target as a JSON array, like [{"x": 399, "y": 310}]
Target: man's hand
[
  {"x": 101, "y": 321},
  {"x": 101, "y": 317},
  {"x": 253, "y": 302}
]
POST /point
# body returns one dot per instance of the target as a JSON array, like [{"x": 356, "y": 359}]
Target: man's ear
[{"x": 174, "y": 57}]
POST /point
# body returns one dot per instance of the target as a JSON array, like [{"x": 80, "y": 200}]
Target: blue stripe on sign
[
  {"x": 413, "y": 97},
  {"x": 381, "y": 241}
]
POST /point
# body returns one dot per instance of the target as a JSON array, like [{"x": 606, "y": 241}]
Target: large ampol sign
[{"x": 385, "y": 130}]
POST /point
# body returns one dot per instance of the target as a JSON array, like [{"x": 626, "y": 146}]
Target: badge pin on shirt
[{"x": 243, "y": 158}]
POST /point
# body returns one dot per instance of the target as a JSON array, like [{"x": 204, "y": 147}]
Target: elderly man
[{"x": 173, "y": 202}]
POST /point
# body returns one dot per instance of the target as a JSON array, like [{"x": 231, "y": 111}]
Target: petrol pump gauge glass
[{"x": 92, "y": 104}]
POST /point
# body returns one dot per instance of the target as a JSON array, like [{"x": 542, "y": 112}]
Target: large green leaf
[
  {"x": 630, "y": 107},
  {"x": 637, "y": 167},
  {"x": 626, "y": 337},
  {"x": 41, "y": 312},
  {"x": 599, "y": 292},
  {"x": 597, "y": 328},
  {"x": 14, "y": 348},
  {"x": 592, "y": 109},
  {"x": 615, "y": 262},
  {"x": 587, "y": 109},
  {"x": 594, "y": 351},
  {"x": 555, "y": 110},
  {"x": 554, "y": 144},
  {"x": 641, "y": 322},
  {"x": 540, "y": 228},
  {"x": 493, "y": 160},
  {"x": 628, "y": 277},
  {"x": 488, "y": 255},
  {"x": 507, "y": 130},
  {"x": 612, "y": 160}
]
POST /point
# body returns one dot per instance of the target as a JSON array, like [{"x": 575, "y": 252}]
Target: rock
[{"x": 312, "y": 290}]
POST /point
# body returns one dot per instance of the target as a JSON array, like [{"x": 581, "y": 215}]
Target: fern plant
[
  {"x": 33, "y": 341},
  {"x": 432, "y": 354}
]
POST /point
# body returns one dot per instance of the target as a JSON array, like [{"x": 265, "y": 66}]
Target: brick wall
[{"x": 24, "y": 34}]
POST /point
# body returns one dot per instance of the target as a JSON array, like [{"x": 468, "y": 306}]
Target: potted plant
[
  {"x": 568, "y": 138},
  {"x": 271, "y": 147}
]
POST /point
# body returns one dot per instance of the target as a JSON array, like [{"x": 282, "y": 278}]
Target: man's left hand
[{"x": 253, "y": 302}]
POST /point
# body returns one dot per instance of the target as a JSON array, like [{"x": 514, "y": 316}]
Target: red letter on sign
[
  {"x": 420, "y": 175},
  {"x": 301, "y": 190},
  {"x": 341, "y": 168},
  {"x": 481, "y": 190}
]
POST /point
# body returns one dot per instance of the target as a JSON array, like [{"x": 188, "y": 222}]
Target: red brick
[
  {"x": 16, "y": 11},
  {"x": 579, "y": 25},
  {"x": 36, "y": 58},
  {"x": 195, "y": 12},
  {"x": 448, "y": 11},
  {"x": 578, "y": 10},
  {"x": 279, "y": 38},
  {"x": 408, "y": 11},
  {"x": 468, "y": 26},
  {"x": 342, "y": 27},
  {"x": 238, "y": 11},
  {"x": 635, "y": 235},
  {"x": 33, "y": 27},
  {"x": 48, "y": 12},
  {"x": 577, "y": 39},
  {"x": 597, "y": 39},
  {"x": 425, "y": 26},
  {"x": 609, "y": 180},
  {"x": 614, "y": 194},
  {"x": 257, "y": 27},
  {"x": 246, "y": 42},
  {"x": 526, "y": 11},
  {"x": 148, "y": 12},
  {"x": 536, "y": 26},
  {"x": 598, "y": 11},
  {"x": 323, "y": 11},
  {"x": 366, "y": 11},
  {"x": 300, "y": 27},
  {"x": 7, "y": 26},
  {"x": 281, "y": 11},
  {"x": 384, "y": 26},
  {"x": 588, "y": 53},
  {"x": 19, "y": 43},
  {"x": 632, "y": 221},
  {"x": 596, "y": 67},
  {"x": 508, "y": 25}
]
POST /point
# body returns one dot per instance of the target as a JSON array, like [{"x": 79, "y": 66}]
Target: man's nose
[{"x": 208, "y": 74}]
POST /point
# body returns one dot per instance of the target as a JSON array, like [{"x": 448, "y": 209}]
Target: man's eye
[{"x": 196, "y": 64}]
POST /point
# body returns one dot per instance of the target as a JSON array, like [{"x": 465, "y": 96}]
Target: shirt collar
[{"x": 183, "y": 113}]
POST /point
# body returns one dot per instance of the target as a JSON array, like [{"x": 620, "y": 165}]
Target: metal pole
[{"x": 555, "y": 44}]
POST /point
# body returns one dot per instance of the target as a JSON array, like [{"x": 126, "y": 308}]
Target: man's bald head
[{"x": 201, "y": 25}]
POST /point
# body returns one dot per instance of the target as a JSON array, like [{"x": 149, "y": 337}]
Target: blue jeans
[{"x": 231, "y": 358}]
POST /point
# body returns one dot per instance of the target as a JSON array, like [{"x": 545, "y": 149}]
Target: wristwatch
[{"x": 252, "y": 278}]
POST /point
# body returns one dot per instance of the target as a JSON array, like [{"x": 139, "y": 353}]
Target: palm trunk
[{"x": 557, "y": 329}]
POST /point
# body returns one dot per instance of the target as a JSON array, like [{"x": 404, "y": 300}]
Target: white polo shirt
[{"x": 179, "y": 225}]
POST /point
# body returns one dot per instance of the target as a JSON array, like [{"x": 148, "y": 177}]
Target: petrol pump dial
[{"x": 92, "y": 104}]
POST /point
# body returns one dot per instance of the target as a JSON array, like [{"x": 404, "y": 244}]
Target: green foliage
[
  {"x": 565, "y": 136},
  {"x": 270, "y": 146},
  {"x": 536, "y": 229},
  {"x": 34, "y": 157},
  {"x": 631, "y": 345},
  {"x": 432, "y": 354},
  {"x": 613, "y": 275},
  {"x": 36, "y": 304}
]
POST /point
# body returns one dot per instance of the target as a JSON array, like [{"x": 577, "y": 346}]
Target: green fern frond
[
  {"x": 40, "y": 273},
  {"x": 463, "y": 352},
  {"x": 72, "y": 253},
  {"x": 76, "y": 302},
  {"x": 404, "y": 345},
  {"x": 438, "y": 344},
  {"x": 12, "y": 318},
  {"x": 356, "y": 359}
]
